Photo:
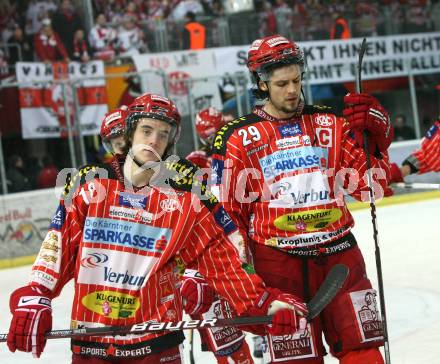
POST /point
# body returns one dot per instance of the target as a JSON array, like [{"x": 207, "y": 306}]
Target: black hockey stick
[
  {"x": 191, "y": 347},
  {"x": 373, "y": 215},
  {"x": 329, "y": 288}
]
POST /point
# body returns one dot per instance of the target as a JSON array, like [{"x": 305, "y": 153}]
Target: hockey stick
[
  {"x": 329, "y": 288},
  {"x": 417, "y": 186},
  {"x": 191, "y": 347},
  {"x": 373, "y": 215}
]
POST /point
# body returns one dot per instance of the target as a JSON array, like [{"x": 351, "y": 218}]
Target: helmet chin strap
[{"x": 139, "y": 164}]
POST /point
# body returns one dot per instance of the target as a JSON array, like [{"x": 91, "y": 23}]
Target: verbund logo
[
  {"x": 114, "y": 269},
  {"x": 307, "y": 189},
  {"x": 98, "y": 260}
]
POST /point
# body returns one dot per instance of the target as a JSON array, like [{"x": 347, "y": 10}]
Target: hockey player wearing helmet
[
  {"x": 294, "y": 159},
  {"x": 113, "y": 130},
  {"x": 228, "y": 343},
  {"x": 208, "y": 121},
  {"x": 118, "y": 236}
]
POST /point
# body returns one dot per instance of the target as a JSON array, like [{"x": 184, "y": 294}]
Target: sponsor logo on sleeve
[
  {"x": 50, "y": 251},
  {"x": 431, "y": 132},
  {"x": 44, "y": 278},
  {"x": 290, "y": 130},
  {"x": 224, "y": 220},
  {"x": 308, "y": 220},
  {"x": 217, "y": 170},
  {"x": 58, "y": 220}
]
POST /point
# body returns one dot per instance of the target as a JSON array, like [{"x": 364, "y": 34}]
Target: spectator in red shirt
[
  {"x": 48, "y": 176},
  {"x": 48, "y": 45}
]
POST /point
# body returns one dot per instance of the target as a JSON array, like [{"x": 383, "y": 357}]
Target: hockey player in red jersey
[
  {"x": 279, "y": 173},
  {"x": 117, "y": 232},
  {"x": 112, "y": 130},
  {"x": 423, "y": 160},
  {"x": 227, "y": 343},
  {"x": 208, "y": 121}
]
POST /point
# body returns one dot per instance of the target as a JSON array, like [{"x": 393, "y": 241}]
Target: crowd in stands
[
  {"x": 51, "y": 30},
  {"x": 31, "y": 174}
]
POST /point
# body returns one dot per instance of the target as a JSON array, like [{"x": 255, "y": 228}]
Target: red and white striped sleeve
[
  {"x": 427, "y": 158},
  {"x": 217, "y": 260},
  {"x": 55, "y": 262}
]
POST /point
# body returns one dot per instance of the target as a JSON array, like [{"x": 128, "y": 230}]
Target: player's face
[
  {"x": 284, "y": 87},
  {"x": 117, "y": 144},
  {"x": 150, "y": 139}
]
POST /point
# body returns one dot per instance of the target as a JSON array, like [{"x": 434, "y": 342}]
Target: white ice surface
[{"x": 410, "y": 249}]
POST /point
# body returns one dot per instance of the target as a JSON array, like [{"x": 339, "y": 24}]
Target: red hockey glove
[
  {"x": 31, "y": 319},
  {"x": 197, "y": 295},
  {"x": 364, "y": 112},
  {"x": 427, "y": 158},
  {"x": 395, "y": 173},
  {"x": 289, "y": 312}
]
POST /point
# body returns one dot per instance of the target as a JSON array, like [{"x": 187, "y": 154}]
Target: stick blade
[{"x": 327, "y": 291}]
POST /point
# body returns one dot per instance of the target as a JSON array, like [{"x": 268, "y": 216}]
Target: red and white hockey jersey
[
  {"x": 427, "y": 158},
  {"x": 281, "y": 181},
  {"x": 120, "y": 247}
]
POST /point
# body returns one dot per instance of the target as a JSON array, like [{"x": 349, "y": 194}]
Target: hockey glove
[
  {"x": 364, "y": 112},
  {"x": 289, "y": 312},
  {"x": 197, "y": 295},
  {"x": 427, "y": 158},
  {"x": 31, "y": 319},
  {"x": 395, "y": 173}
]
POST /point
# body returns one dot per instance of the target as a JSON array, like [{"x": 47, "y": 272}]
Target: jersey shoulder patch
[
  {"x": 182, "y": 176},
  {"x": 84, "y": 175},
  {"x": 222, "y": 136}
]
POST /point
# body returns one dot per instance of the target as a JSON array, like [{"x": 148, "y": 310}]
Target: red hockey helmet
[
  {"x": 112, "y": 126},
  {"x": 272, "y": 50},
  {"x": 154, "y": 107},
  {"x": 208, "y": 121}
]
